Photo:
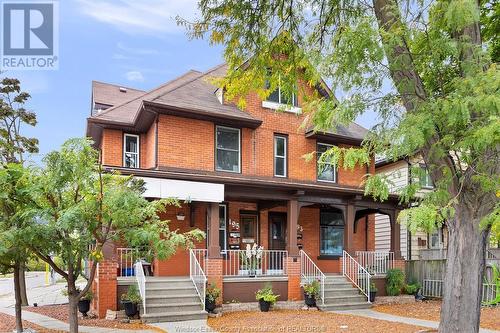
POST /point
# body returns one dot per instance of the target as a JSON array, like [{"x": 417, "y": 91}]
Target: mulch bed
[
  {"x": 60, "y": 312},
  {"x": 431, "y": 310},
  {"x": 277, "y": 321},
  {"x": 8, "y": 324}
]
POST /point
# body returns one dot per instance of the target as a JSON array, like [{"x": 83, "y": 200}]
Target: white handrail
[
  {"x": 376, "y": 262},
  {"x": 127, "y": 258},
  {"x": 141, "y": 282},
  {"x": 310, "y": 272},
  {"x": 358, "y": 275},
  {"x": 198, "y": 277}
]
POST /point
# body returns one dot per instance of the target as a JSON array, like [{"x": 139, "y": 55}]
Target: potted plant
[
  {"x": 130, "y": 300},
  {"x": 84, "y": 303},
  {"x": 251, "y": 260},
  {"x": 211, "y": 297},
  {"x": 266, "y": 298},
  {"x": 373, "y": 292},
  {"x": 311, "y": 291}
]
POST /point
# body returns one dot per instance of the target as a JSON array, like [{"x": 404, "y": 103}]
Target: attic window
[
  {"x": 123, "y": 89},
  {"x": 278, "y": 99}
]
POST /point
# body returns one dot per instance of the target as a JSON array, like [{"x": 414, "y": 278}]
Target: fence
[{"x": 434, "y": 288}]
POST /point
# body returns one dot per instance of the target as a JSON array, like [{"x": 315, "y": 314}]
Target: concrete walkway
[
  {"x": 190, "y": 326},
  {"x": 405, "y": 320}
]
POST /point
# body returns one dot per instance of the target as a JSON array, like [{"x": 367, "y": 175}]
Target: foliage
[
  {"x": 395, "y": 281},
  {"x": 312, "y": 288},
  {"x": 412, "y": 288},
  {"x": 490, "y": 26},
  {"x": 266, "y": 294},
  {"x": 495, "y": 280},
  {"x": 373, "y": 287},
  {"x": 212, "y": 292},
  {"x": 13, "y": 115},
  {"x": 132, "y": 295}
]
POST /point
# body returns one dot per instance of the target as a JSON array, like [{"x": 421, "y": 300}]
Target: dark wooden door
[{"x": 277, "y": 231}]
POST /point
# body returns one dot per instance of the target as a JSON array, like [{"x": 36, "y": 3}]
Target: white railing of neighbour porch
[
  {"x": 358, "y": 275},
  {"x": 127, "y": 257},
  {"x": 309, "y": 272},
  {"x": 141, "y": 282},
  {"x": 267, "y": 263},
  {"x": 376, "y": 262},
  {"x": 197, "y": 275}
]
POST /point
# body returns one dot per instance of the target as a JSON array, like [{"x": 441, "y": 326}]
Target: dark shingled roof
[{"x": 111, "y": 95}]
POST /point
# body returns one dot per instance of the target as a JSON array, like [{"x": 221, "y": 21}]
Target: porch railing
[
  {"x": 197, "y": 275},
  {"x": 309, "y": 272},
  {"x": 141, "y": 282},
  {"x": 201, "y": 256},
  {"x": 358, "y": 275},
  {"x": 376, "y": 262},
  {"x": 263, "y": 263},
  {"x": 127, "y": 257}
]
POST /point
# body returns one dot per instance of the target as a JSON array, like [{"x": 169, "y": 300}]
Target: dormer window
[
  {"x": 279, "y": 99},
  {"x": 131, "y": 151}
]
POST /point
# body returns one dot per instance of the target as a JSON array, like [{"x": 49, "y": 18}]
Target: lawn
[
  {"x": 278, "y": 321},
  {"x": 430, "y": 310}
]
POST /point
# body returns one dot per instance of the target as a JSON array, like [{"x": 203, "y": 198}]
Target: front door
[
  {"x": 248, "y": 230},
  {"x": 277, "y": 231}
]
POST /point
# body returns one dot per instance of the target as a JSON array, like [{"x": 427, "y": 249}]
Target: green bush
[
  {"x": 395, "y": 281},
  {"x": 132, "y": 295},
  {"x": 412, "y": 288},
  {"x": 266, "y": 294},
  {"x": 35, "y": 265},
  {"x": 312, "y": 289}
]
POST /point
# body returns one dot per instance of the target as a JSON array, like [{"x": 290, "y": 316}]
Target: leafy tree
[
  {"x": 13, "y": 146},
  {"x": 82, "y": 209},
  {"x": 422, "y": 67}
]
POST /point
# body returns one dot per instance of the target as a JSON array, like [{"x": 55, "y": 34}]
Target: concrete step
[
  {"x": 172, "y": 283},
  {"x": 338, "y": 285},
  {"x": 337, "y": 300},
  {"x": 183, "y": 307},
  {"x": 174, "y": 316},
  {"x": 341, "y": 307},
  {"x": 172, "y": 299},
  {"x": 341, "y": 292},
  {"x": 169, "y": 291}
]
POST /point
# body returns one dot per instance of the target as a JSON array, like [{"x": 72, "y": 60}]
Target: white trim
[
  {"x": 279, "y": 106},
  {"x": 239, "y": 149},
  {"x": 284, "y": 157},
  {"x": 138, "y": 153},
  {"x": 334, "y": 166},
  {"x": 183, "y": 190}
]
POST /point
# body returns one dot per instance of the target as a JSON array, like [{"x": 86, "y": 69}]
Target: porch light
[{"x": 180, "y": 216}]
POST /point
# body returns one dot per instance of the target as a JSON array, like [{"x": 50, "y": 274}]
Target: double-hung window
[
  {"x": 222, "y": 228},
  {"x": 228, "y": 146},
  {"x": 131, "y": 151},
  {"x": 331, "y": 233},
  {"x": 280, "y": 158},
  {"x": 326, "y": 168},
  {"x": 425, "y": 177}
]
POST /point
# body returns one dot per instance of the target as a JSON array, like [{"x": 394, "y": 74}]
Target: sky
[{"x": 134, "y": 43}]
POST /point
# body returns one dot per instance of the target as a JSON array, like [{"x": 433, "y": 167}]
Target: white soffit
[{"x": 183, "y": 190}]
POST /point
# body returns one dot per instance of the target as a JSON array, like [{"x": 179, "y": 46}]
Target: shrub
[
  {"x": 35, "y": 264},
  {"x": 132, "y": 295},
  {"x": 312, "y": 289},
  {"x": 395, "y": 281},
  {"x": 266, "y": 294},
  {"x": 373, "y": 287},
  {"x": 412, "y": 288},
  {"x": 212, "y": 292}
]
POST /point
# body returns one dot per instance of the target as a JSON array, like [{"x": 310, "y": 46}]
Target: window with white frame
[
  {"x": 425, "y": 177},
  {"x": 227, "y": 142},
  {"x": 435, "y": 241},
  {"x": 222, "y": 228},
  {"x": 327, "y": 170},
  {"x": 131, "y": 151},
  {"x": 280, "y": 151},
  {"x": 280, "y": 97}
]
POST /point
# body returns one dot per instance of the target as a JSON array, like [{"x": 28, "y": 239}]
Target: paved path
[
  {"x": 190, "y": 326},
  {"x": 405, "y": 320}
]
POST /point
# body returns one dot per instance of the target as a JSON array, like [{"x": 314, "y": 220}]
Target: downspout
[{"x": 408, "y": 241}]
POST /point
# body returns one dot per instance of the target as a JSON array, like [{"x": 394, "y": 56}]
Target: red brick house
[{"x": 245, "y": 181}]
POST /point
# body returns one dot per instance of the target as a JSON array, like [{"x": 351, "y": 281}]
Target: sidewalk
[{"x": 405, "y": 320}]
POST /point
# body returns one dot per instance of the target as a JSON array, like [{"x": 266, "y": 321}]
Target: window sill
[
  {"x": 284, "y": 107},
  {"x": 327, "y": 181},
  {"x": 329, "y": 257}
]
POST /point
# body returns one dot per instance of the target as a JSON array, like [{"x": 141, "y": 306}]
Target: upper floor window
[
  {"x": 280, "y": 158},
  {"x": 326, "y": 168},
  {"x": 279, "y": 98},
  {"x": 131, "y": 151},
  {"x": 227, "y": 149},
  {"x": 425, "y": 177}
]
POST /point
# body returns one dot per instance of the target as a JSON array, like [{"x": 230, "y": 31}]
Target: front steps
[
  {"x": 171, "y": 299},
  {"x": 340, "y": 295}
]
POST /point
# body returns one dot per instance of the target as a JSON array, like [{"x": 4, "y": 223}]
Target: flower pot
[
  {"x": 310, "y": 300},
  {"x": 209, "y": 305},
  {"x": 372, "y": 296},
  {"x": 130, "y": 308},
  {"x": 264, "y": 306},
  {"x": 84, "y": 306}
]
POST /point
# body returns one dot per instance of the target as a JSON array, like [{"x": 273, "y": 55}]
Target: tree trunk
[
  {"x": 17, "y": 293},
  {"x": 22, "y": 284},
  {"x": 73, "y": 297},
  {"x": 461, "y": 307}
]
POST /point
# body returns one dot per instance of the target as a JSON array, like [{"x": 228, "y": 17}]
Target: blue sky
[{"x": 134, "y": 43}]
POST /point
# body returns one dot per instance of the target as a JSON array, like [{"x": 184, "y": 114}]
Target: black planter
[
  {"x": 310, "y": 300},
  {"x": 264, "y": 306},
  {"x": 84, "y": 306},
  {"x": 209, "y": 305},
  {"x": 372, "y": 296},
  {"x": 130, "y": 308}
]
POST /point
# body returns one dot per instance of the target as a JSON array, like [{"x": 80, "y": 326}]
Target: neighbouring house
[{"x": 242, "y": 179}]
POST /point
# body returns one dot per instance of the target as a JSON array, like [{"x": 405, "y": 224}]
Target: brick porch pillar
[
  {"x": 293, "y": 272},
  {"x": 349, "y": 229},
  {"x": 214, "y": 272},
  {"x": 105, "y": 287},
  {"x": 214, "y": 261}
]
